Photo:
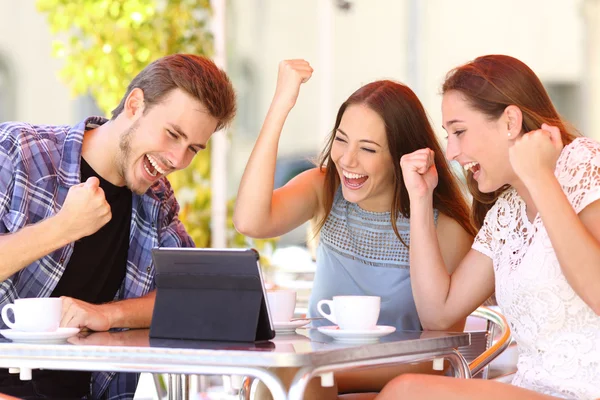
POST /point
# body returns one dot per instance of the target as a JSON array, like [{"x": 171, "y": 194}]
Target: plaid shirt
[{"x": 38, "y": 165}]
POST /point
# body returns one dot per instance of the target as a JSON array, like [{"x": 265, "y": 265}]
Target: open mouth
[
  {"x": 152, "y": 166},
  {"x": 354, "y": 181},
  {"x": 472, "y": 167}
]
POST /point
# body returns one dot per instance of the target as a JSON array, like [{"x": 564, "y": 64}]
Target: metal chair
[{"x": 483, "y": 349}]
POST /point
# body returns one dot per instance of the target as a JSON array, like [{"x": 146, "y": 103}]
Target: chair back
[{"x": 484, "y": 347}]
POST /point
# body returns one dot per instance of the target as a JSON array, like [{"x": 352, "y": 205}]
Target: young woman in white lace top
[{"x": 535, "y": 186}]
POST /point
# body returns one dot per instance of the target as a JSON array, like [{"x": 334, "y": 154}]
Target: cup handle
[
  {"x": 7, "y": 307},
  {"x": 329, "y": 316}
]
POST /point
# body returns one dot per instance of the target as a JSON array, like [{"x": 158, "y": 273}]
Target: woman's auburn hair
[
  {"x": 407, "y": 130},
  {"x": 491, "y": 83}
]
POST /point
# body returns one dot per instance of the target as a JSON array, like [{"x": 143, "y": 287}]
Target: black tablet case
[{"x": 207, "y": 294}]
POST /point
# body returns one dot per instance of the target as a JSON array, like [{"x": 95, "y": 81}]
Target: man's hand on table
[{"x": 79, "y": 314}]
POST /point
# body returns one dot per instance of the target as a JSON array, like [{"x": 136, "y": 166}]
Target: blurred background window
[
  {"x": 568, "y": 100},
  {"x": 86, "y": 106},
  {"x": 7, "y": 92}
]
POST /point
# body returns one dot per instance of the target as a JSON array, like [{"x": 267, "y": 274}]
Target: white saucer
[
  {"x": 357, "y": 336},
  {"x": 58, "y": 336},
  {"x": 286, "y": 327}
]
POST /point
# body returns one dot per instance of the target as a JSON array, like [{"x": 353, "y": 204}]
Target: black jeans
[{"x": 47, "y": 384}]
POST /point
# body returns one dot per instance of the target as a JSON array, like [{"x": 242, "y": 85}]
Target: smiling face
[
  {"x": 163, "y": 140},
  {"x": 479, "y": 144},
  {"x": 362, "y": 158}
]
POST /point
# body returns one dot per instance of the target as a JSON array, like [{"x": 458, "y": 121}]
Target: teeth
[
  {"x": 352, "y": 176},
  {"x": 155, "y": 165},
  {"x": 470, "y": 165},
  {"x": 148, "y": 171}
]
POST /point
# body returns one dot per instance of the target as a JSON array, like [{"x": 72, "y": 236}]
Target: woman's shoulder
[
  {"x": 583, "y": 141},
  {"x": 578, "y": 162},
  {"x": 582, "y": 150},
  {"x": 313, "y": 178},
  {"x": 313, "y": 173},
  {"x": 578, "y": 172}
]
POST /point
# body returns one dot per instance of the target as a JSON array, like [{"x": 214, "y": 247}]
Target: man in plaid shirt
[{"x": 81, "y": 207}]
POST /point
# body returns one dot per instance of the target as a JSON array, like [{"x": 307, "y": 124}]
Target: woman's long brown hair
[
  {"x": 490, "y": 84},
  {"x": 407, "y": 130}
]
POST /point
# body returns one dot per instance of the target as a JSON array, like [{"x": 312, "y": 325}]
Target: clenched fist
[
  {"x": 536, "y": 153},
  {"x": 292, "y": 74},
  {"x": 85, "y": 210},
  {"x": 419, "y": 173}
]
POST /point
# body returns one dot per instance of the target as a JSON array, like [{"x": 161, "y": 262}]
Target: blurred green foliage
[{"x": 105, "y": 43}]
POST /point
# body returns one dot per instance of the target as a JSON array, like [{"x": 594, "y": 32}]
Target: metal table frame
[{"x": 325, "y": 358}]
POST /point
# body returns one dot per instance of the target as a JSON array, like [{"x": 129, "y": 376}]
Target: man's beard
[{"x": 125, "y": 155}]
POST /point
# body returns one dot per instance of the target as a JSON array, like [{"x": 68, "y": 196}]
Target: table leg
[
  {"x": 172, "y": 387},
  {"x": 161, "y": 391},
  {"x": 176, "y": 383},
  {"x": 179, "y": 388},
  {"x": 185, "y": 386}
]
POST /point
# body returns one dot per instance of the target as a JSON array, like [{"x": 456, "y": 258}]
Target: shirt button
[
  {"x": 148, "y": 269},
  {"x": 62, "y": 260}
]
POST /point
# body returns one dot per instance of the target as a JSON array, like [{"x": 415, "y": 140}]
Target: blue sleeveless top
[{"x": 359, "y": 254}]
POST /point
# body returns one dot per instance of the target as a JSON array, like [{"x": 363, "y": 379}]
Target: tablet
[{"x": 210, "y": 294}]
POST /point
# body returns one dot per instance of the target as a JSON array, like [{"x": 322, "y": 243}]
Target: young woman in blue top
[{"x": 357, "y": 197}]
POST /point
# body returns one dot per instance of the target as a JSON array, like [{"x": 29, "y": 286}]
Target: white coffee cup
[
  {"x": 34, "y": 314},
  {"x": 352, "y": 312},
  {"x": 282, "y": 304}
]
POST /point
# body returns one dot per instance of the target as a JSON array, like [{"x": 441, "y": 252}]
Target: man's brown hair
[{"x": 195, "y": 75}]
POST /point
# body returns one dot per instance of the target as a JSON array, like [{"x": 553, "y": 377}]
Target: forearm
[
  {"x": 131, "y": 313},
  {"x": 255, "y": 193},
  {"x": 29, "y": 244},
  {"x": 577, "y": 251},
  {"x": 429, "y": 276}
]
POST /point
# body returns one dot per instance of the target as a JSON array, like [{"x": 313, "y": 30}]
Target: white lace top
[{"x": 558, "y": 335}]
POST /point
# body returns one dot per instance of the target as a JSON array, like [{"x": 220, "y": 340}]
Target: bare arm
[
  {"x": 130, "y": 313},
  {"x": 446, "y": 287},
  {"x": 84, "y": 212},
  {"x": 455, "y": 242},
  {"x": 29, "y": 244},
  {"x": 259, "y": 211},
  {"x": 575, "y": 239},
  {"x": 443, "y": 298}
]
